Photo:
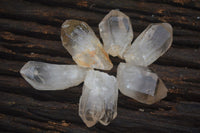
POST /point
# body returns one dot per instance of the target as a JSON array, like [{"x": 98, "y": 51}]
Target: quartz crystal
[
  {"x": 81, "y": 42},
  {"x": 98, "y": 102},
  {"x": 140, "y": 83},
  {"x": 116, "y": 32},
  {"x": 99, "y": 98},
  {"x": 45, "y": 76},
  {"x": 153, "y": 42}
]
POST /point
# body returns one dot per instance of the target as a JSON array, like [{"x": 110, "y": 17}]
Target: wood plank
[
  {"x": 25, "y": 108},
  {"x": 30, "y": 30}
]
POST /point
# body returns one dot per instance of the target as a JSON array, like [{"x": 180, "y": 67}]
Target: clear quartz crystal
[
  {"x": 152, "y": 43},
  {"x": 116, "y": 32},
  {"x": 99, "y": 98},
  {"x": 45, "y": 76},
  {"x": 140, "y": 83},
  {"x": 81, "y": 42}
]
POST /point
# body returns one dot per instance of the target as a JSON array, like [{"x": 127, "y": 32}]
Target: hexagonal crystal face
[
  {"x": 153, "y": 42},
  {"x": 99, "y": 98},
  {"x": 46, "y": 76},
  {"x": 116, "y": 32},
  {"x": 140, "y": 83},
  {"x": 86, "y": 49}
]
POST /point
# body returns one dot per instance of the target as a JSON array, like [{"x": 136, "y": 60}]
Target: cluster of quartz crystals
[{"x": 98, "y": 102}]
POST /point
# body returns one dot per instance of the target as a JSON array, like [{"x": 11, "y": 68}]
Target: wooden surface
[{"x": 30, "y": 30}]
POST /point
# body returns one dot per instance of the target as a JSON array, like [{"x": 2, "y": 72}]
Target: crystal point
[
  {"x": 116, "y": 32},
  {"x": 152, "y": 43},
  {"x": 140, "y": 83},
  {"x": 81, "y": 42},
  {"x": 46, "y": 76},
  {"x": 99, "y": 98}
]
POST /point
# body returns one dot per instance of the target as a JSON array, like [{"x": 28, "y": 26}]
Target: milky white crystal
[
  {"x": 81, "y": 42},
  {"x": 140, "y": 83},
  {"x": 116, "y": 32},
  {"x": 99, "y": 98},
  {"x": 153, "y": 42},
  {"x": 46, "y": 76}
]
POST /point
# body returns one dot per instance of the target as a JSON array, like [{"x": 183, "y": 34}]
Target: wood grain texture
[{"x": 30, "y": 30}]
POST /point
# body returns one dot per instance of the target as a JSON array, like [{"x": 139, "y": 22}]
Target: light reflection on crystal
[
  {"x": 99, "y": 98},
  {"x": 116, "y": 32},
  {"x": 46, "y": 76},
  {"x": 81, "y": 42},
  {"x": 140, "y": 83},
  {"x": 152, "y": 43}
]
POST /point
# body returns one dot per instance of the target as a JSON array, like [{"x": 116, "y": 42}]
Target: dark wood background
[{"x": 30, "y": 30}]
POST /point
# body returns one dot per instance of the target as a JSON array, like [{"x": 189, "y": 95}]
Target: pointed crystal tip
[{"x": 168, "y": 27}]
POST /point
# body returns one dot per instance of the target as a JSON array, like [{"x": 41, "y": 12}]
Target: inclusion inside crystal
[
  {"x": 81, "y": 42},
  {"x": 98, "y": 102}
]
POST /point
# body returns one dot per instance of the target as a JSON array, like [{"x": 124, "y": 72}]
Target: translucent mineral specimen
[
  {"x": 116, "y": 32},
  {"x": 81, "y": 42},
  {"x": 153, "y": 42},
  {"x": 45, "y": 76},
  {"x": 99, "y": 98},
  {"x": 98, "y": 102},
  {"x": 140, "y": 83}
]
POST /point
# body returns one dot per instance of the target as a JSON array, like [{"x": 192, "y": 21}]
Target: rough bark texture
[{"x": 30, "y": 30}]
